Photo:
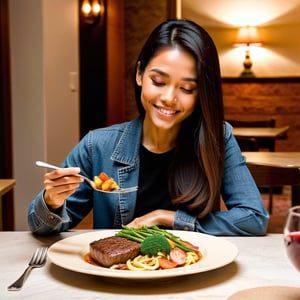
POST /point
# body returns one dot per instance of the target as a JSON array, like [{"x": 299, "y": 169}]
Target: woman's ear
[{"x": 138, "y": 75}]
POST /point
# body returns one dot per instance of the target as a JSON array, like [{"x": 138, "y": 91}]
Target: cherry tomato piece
[
  {"x": 103, "y": 176},
  {"x": 166, "y": 264}
]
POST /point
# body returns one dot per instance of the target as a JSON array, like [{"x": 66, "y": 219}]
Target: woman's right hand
[{"x": 59, "y": 185}]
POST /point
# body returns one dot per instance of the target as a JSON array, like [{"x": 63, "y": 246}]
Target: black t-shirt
[{"x": 153, "y": 182}]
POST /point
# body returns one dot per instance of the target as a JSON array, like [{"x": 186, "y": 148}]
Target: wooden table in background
[
  {"x": 278, "y": 159},
  {"x": 5, "y": 186},
  {"x": 265, "y": 136},
  {"x": 281, "y": 159},
  {"x": 261, "y": 132}
]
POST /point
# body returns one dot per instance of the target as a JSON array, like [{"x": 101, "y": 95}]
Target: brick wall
[{"x": 255, "y": 99}]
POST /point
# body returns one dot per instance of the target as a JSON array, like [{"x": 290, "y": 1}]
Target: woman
[{"x": 179, "y": 151}]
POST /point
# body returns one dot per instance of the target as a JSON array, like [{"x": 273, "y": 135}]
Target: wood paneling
[
  {"x": 262, "y": 99},
  {"x": 141, "y": 17},
  {"x": 115, "y": 59}
]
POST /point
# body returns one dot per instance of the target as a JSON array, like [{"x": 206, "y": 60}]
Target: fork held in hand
[
  {"x": 89, "y": 181},
  {"x": 38, "y": 260}
]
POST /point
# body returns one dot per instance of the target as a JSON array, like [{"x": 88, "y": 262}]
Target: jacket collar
[{"x": 127, "y": 149}]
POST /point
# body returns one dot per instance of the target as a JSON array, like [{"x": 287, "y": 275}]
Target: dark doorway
[
  {"x": 92, "y": 65},
  {"x": 5, "y": 117}
]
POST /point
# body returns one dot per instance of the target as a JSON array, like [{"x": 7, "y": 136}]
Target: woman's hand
[
  {"x": 156, "y": 217},
  {"x": 59, "y": 185}
]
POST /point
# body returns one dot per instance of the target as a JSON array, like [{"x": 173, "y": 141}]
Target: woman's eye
[
  {"x": 157, "y": 83},
  {"x": 187, "y": 91}
]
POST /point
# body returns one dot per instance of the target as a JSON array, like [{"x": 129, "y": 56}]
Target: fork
[
  {"x": 89, "y": 181},
  {"x": 38, "y": 260}
]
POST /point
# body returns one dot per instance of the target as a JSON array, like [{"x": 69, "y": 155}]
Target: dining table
[
  {"x": 261, "y": 132},
  {"x": 278, "y": 159},
  {"x": 261, "y": 269},
  {"x": 265, "y": 137}
]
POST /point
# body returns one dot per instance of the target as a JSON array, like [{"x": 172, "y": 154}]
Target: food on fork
[{"x": 104, "y": 182}]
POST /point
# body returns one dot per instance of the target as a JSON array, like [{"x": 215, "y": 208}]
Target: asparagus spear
[{"x": 139, "y": 234}]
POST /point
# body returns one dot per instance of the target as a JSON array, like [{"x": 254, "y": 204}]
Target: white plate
[{"x": 69, "y": 254}]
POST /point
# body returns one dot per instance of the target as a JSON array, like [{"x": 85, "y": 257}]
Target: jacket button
[
  {"x": 51, "y": 217},
  {"x": 186, "y": 228}
]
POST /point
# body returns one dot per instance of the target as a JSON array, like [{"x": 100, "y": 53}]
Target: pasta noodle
[
  {"x": 191, "y": 258},
  {"x": 151, "y": 263},
  {"x": 143, "y": 262}
]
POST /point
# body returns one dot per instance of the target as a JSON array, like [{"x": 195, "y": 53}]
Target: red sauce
[{"x": 87, "y": 257}]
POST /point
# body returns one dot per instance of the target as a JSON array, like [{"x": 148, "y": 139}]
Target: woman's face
[{"x": 169, "y": 88}]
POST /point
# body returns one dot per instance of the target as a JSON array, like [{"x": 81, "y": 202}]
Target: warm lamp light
[
  {"x": 92, "y": 11},
  {"x": 86, "y": 8},
  {"x": 247, "y": 36}
]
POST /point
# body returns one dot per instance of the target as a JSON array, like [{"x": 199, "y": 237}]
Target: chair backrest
[
  {"x": 248, "y": 144},
  {"x": 265, "y": 175}
]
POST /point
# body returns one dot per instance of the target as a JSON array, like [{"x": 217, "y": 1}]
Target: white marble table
[{"x": 262, "y": 261}]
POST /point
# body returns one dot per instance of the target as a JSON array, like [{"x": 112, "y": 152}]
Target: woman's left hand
[{"x": 156, "y": 217}]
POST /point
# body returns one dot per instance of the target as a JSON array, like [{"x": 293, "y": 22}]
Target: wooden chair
[
  {"x": 262, "y": 143},
  {"x": 265, "y": 175},
  {"x": 248, "y": 144},
  {"x": 251, "y": 144}
]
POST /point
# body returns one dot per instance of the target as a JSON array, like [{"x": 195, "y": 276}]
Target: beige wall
[
  {"x": 279, "y": 25},
  {"x": 44, "y": 50}
]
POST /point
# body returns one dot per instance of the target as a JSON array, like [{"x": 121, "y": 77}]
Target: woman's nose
[{"x": 169, "y": 95}]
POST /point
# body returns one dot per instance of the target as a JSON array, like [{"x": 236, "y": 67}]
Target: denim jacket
[{"x": 115, "y": 149}]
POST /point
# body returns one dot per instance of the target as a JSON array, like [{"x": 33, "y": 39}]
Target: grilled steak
[{"x": 113, "y": 250}]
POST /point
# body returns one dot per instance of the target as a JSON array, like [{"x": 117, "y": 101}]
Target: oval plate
[{"x": 69, "y": 254}]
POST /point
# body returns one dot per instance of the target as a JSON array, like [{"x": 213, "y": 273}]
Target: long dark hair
[{"x": 197, "y": 167}]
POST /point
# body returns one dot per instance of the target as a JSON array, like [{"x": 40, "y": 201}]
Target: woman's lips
[{"x": 166, "y": 112}]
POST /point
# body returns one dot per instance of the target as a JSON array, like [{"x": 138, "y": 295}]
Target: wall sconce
[
  {"x": 247, "y": 36},
  {"x": 92, "y": 11}
]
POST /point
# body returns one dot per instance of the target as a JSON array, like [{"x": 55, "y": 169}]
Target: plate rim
[{"x": 57, "y": 251}]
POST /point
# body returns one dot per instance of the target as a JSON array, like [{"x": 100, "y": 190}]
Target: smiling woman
[
  {"x": 169, "y": 91},
  {"x": 178, "y": 151}
]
